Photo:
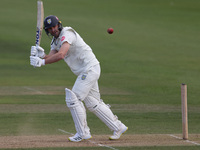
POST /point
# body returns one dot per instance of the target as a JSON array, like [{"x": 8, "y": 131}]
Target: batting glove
[
  {"x": 37, "y": 51},
  {"x": 36, "y": 61}
]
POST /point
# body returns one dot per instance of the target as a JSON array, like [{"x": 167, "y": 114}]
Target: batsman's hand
[
  {"x": 37, "y": 51},
  {"x": 36, "y": 61}
]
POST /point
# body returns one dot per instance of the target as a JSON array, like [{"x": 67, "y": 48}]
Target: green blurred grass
[{"x": 138, "y": 123}]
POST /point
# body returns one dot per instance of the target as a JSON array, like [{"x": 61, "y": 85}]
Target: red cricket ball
[{"x": 110, "y": 30}]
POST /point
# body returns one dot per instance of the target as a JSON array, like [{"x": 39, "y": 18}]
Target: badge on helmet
[{"x": 49, "y": 21}]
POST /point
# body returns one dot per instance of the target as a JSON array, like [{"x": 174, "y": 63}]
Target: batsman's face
[{"x": 54, "y": 31}]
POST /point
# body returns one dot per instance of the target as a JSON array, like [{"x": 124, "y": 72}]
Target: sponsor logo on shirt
[{"x": 63, "y": 37}]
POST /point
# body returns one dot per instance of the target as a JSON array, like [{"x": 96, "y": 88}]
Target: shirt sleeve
[{"x": 69, "y": 36}]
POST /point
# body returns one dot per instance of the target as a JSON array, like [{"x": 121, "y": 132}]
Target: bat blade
[{"x": 40, "y": 19}]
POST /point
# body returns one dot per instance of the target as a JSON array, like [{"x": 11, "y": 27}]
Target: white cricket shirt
[{"x": 79, "y": 57}]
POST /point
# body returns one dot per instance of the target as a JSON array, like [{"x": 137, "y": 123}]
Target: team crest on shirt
[{"x": 83, "y": 77}]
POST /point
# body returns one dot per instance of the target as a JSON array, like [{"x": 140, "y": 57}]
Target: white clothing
[
  {"x": 79, "y": 56},
  {"x": 87, "y": 82},
  {"x": 85, "y": 65}
]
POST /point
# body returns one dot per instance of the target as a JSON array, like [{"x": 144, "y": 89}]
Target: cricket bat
[{"x": 40, "y": 19}]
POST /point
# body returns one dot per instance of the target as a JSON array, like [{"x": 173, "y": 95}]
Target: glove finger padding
[
  {"x": 33, "y": 61},
  {"x": 36, "y": 61},
  {"x": 39, "y": 48},
  {"x": 40, "y": 51},
  {"x": 34, "y": 51}
]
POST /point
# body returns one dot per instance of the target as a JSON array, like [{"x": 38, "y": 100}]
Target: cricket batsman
[{"x": 68, "y": 45}]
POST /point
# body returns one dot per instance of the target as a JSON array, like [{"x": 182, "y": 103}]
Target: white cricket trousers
[
  {"x": 87, "y": 82},
  {"x": 86, "y": 89}
]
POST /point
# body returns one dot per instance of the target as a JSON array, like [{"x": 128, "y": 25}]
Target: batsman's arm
[
  {"x": 55, "y": 56},
  {"x": 52, "y": 52}
]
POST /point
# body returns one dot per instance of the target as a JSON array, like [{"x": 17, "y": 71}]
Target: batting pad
[
  {"x": 78, "y": 113},
  {"x": 103, "y": 112}
]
